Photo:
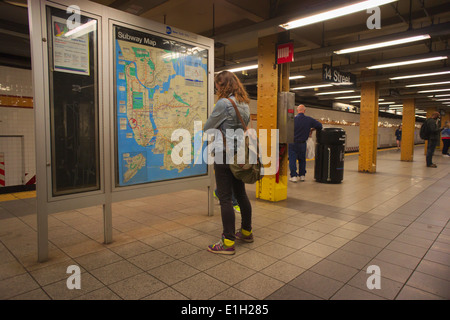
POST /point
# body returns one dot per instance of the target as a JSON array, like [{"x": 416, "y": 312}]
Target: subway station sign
[{"x": 335, "y": 76}]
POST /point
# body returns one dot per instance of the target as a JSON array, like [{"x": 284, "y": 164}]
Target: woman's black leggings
[{"x": 227, "y": 184}]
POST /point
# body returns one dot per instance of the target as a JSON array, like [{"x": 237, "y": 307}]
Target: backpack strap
[{"x": 238, "y": 113}]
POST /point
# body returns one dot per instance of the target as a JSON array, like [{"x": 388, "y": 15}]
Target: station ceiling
[{"x": 236, "y": 25}]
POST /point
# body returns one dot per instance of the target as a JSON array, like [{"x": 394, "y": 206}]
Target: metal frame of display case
[{"x": 108, "y": 192}]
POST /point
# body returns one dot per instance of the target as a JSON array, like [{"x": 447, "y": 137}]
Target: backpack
[
  {"x": 424, "y": 131},
  {"x": 248, "y": 172}
]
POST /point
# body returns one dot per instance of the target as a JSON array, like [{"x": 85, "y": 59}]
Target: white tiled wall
[
  {"x": 15, "y": 82},
  {"x": 17, "y": 122},
  {"x": 12, "y": 149}
]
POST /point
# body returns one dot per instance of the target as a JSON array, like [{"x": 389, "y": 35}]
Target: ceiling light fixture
[
  {"x": 348, "y": 97},
  {"x": 335, "y": 13},
  {"x": 251, "y": 67},
  {"x": 312, "y": 87},
  {"x": 296, "y": 77},
  {"x": 383, "y": 44},
  {"x": 427, "y": 84},
  {"x": 437, "y": 90},
  {"x": 334, "y": 92},
  {"x": 403, "y": 63},
  {"x": 420, "y": 75}
]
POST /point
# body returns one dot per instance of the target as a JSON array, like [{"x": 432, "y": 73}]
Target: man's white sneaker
[
  {"x": 302, "y": 178},
  {"x": 293, "y": 179}
]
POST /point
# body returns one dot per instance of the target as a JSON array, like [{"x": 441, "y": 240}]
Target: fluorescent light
[
  {"x": 403, "y": 63},
  {"x": 420, "y": 75},
  {"x": 396, "y": 105},
  {"x": 440, "y": 95},
  {"x": 446, "y": 99},
  {"x": 83, "y": 29},
  {"x": 312, "y": 87},
  {"x": 296, "y": 77},
  {"x": 331, "y": 14},
  {"x": 383, "y": 44},
  {"x": 355, "y": 101},
  {"x": 348, "y": 97},
  {"x": 378, "y": 100},
  {"x": 427, "y": 84},
  {"x": 334, "y": 92},
  {"x": 386, "y": 102},
  {"x": 437, "y": 90},
  {"x": 254, "y": 66}
]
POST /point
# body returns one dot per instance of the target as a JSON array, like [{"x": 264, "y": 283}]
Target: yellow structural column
[
  {"x": 284, "y": 86},
  {"x": 408, "y": 127},
  {"x": 368, "y": 127},
  {"x": 268, "y": 188},
  {"x": 429, "y": 114}
]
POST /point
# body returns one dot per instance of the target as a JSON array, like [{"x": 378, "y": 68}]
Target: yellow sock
[
  {"x": 246, "y": 233},
  {"x": 228, "y": 242}
]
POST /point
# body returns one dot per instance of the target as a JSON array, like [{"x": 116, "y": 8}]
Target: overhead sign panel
[{"x": 335, "y": 76}]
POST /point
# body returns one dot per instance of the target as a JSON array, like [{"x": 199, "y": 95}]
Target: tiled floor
[{"x": 317, "y": 244}]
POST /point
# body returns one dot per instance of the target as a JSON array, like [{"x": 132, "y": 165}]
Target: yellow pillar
[
  {"x": 429, "y": 114},
  {"x": 283, "y": 76},
  {"x": 408, "y": 126},
  {"x": 268, "y": 188},
  {"x": 368, "y": 127}
]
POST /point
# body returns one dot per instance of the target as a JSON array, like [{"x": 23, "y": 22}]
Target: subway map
[{"x": 161, "y": 86}]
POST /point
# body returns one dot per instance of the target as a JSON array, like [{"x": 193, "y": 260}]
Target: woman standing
[{"x": 224, "y": 117}]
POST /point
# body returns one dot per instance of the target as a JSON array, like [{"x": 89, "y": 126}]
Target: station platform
[{"x": 316, "y": 245}]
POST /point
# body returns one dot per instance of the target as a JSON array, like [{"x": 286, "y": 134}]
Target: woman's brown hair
[{"x": 228, "y": 84}]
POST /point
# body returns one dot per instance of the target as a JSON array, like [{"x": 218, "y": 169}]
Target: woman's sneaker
[
  {"x": 221, "y": 248},
  {"x": 242, "y": 237}
]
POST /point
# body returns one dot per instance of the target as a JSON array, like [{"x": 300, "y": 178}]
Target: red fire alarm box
[{"x": 285, "y": 53}]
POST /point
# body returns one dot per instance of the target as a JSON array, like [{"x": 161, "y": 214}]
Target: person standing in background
[
  {"x": 398, "y": 136},
  {"x": 303, "y": 128},
  {"x": 434, "y": 130}
]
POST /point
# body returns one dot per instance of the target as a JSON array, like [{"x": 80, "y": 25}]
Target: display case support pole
[
  {"x": 107, "y": 221},
  {"x": 42, "y": 233},
  {"x": 210, "y": 200}
]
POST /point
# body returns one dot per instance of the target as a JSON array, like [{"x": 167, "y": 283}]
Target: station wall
[
  {"x": 17, "y": 134},
  {"x": 17, "y": 145}
]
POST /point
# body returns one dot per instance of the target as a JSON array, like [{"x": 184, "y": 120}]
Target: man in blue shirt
[{"x": 303, "y": 128}]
